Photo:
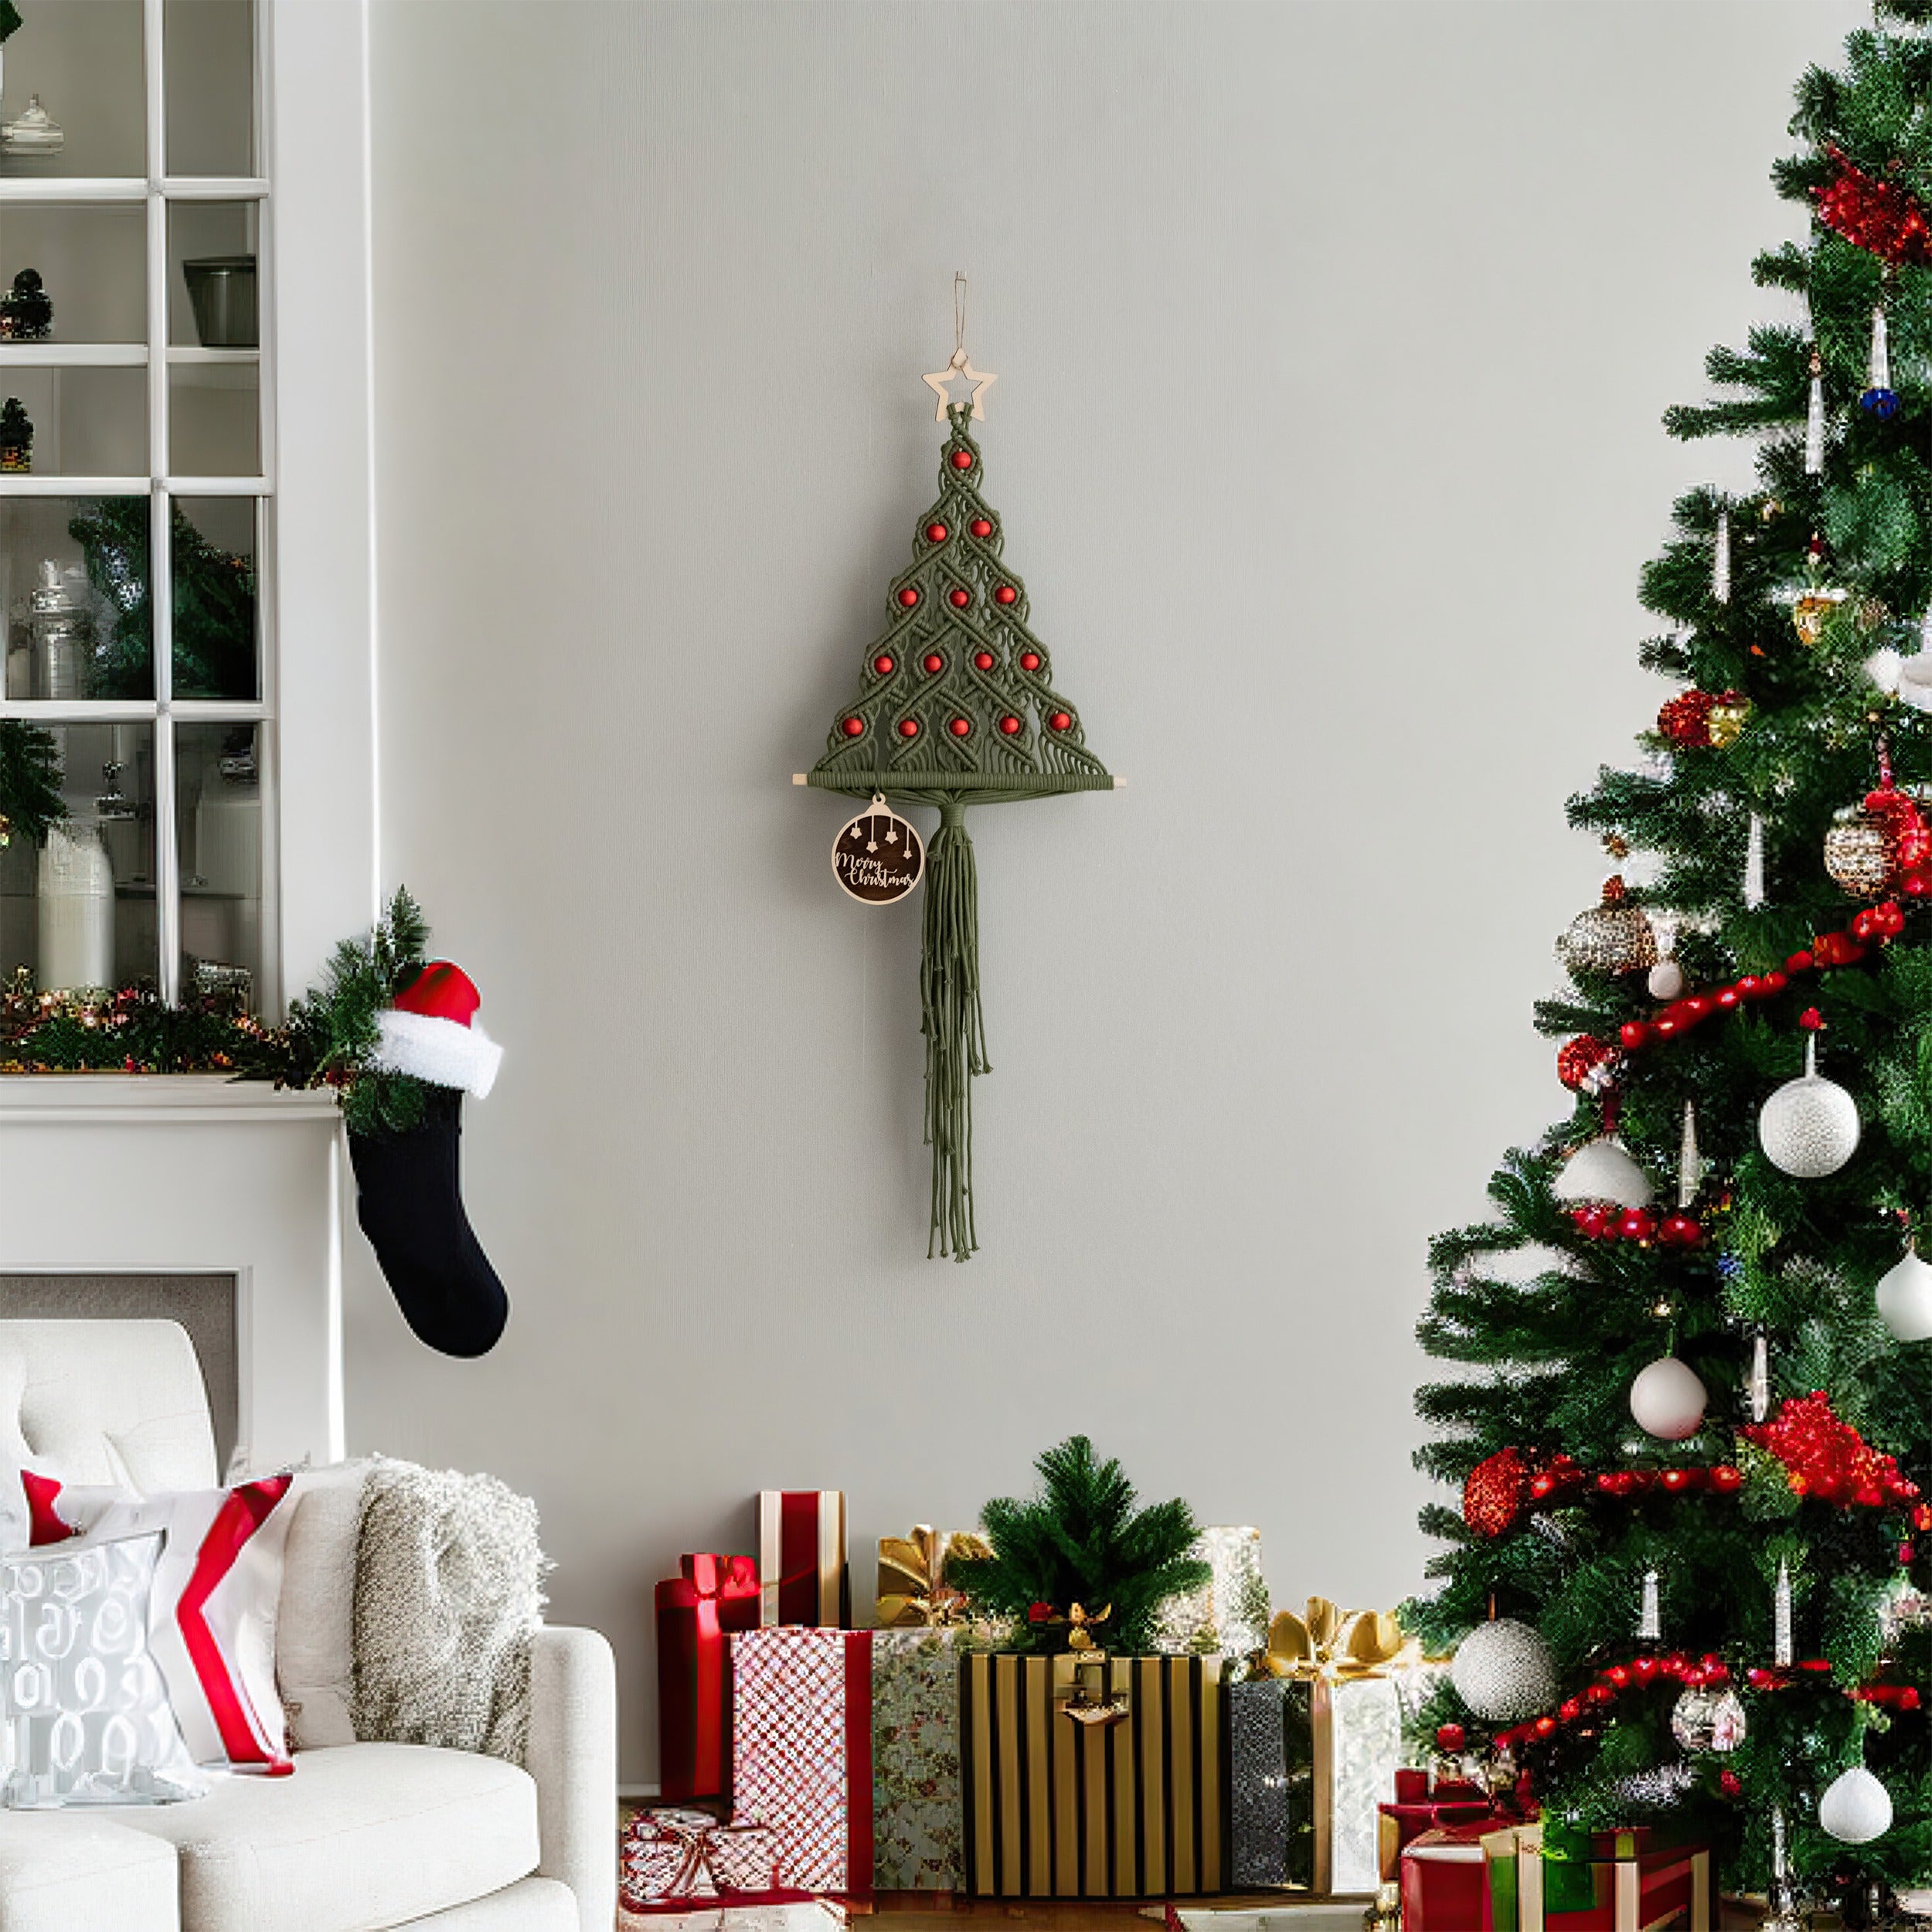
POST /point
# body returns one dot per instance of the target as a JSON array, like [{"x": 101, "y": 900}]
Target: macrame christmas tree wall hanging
[{"x": 956, "y": 707}]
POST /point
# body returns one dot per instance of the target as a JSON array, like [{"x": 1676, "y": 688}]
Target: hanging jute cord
[{"x": 954, "y": 1027}]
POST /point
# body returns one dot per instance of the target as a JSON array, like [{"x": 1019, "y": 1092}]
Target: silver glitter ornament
[
  {"x": 1809, "y": 1128},
  {"x": 1505, "y": 1672},
  {"x": 1705, "y": 1719},
  {"x": 1860, "y": 852},
  {"x": 1613, "y": 938}
]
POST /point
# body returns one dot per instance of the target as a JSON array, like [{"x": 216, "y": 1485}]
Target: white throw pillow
[
  {"x": 85, "y": 1715},
  {"x": 316, "y": 1634},
  {"x": 212, "y": 1620}
]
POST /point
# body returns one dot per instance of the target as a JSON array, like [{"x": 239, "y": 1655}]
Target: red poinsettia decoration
[
  {"x": 1826, "y": 1458},
  {"x": 1877, "y": 216}
]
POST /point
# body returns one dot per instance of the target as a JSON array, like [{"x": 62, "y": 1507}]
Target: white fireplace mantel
[{"x": 102, "y": 1174}]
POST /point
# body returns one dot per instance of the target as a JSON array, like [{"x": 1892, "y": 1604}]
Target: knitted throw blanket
[{"x": 449, "y": 1585}]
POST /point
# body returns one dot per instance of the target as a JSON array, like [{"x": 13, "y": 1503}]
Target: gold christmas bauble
[
  {"x": 1809, "y": 611},
  {"x": 1860, "y": 852},
  {"x": 1725, "y": 719},
  {"x": 1614, "y": 938}
]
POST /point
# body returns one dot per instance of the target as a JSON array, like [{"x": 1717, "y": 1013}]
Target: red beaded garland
[
  {"x": 1030, "y": 661},
  {"x": 1060, "y": 720},
  {"x": 982, "y": 660},
  {"x": 962, "y": 459},
  {"x": 980, "y": 527},
  {"x": 882, "y": 664},
  {"x": 1009, "y": 724},
  {"x": 908, "y": 597},
  {"x": 909, "y": 727},
  {"x": 853, "y": 727},
  {"x": 959, "y": 599},
  {"x": 960, "y": 726},
  {"x": 1005, "y": 594},
  {"x": 934, "y": 664},
  {"x": 935, "y": 533}
]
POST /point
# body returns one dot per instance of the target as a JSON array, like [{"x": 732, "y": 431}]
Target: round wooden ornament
[{"x": 879, "y": 857}]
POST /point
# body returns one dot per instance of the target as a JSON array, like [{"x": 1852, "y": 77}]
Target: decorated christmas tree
[
  {"x": 1692, "y": 1409},
  {"x": 956, "y": 707}
]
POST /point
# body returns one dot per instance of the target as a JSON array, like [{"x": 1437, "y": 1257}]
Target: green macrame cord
[
  {"x": 956, "y": 707},
  {"x": 954, "y": 1027}
]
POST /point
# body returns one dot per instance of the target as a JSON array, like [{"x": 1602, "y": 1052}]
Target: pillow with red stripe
[{"x": 212, "y": 1616}]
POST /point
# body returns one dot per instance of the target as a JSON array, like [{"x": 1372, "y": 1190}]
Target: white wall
[{"x": 1332, "y": 341}]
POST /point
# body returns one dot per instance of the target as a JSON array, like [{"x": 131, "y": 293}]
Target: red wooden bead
[
  {"x": 908, "y": 597},
  {"x": 1009, "y": 724},
  {"x": 935, "y": 533},
  {"x": 960, "y": 726},
  {"x": 1005, "y": 594},
  {"x": 1637, "y": 1224},
  {"x": 853, "y": 727},
  {"x": 1634, "y": 1033},
  {"x": 934, "y": 664},
  {"x": 1060, "y": 720},
  {"x": 1600, "y": 1694},
  {"x": 1725, "y": 997},
  {"x": 982, "y": 660},
  {"x": 1569, "y": 1710},
  {"x": 1545, "y": 1727},
  {"x": 962, "y": 459},
  {"x": 980, "y": 527},
  {"x": 1030, "y": 661},
  {"x": 909, "y": 727},
  {"x": 1619, "y": 1675},
  {"x": 1799, "y": 962},
  {"x": 959, "y": 599},
  {"x": 882, "y": 664}
]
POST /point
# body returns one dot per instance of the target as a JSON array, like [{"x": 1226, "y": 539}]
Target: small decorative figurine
[
  {"x": 26, "y": 311},
  {"x": 16, "y": 438}
]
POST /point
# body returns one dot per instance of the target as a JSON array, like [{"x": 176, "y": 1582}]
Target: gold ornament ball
[
  {"x": 1725, "y": 721},
  {"x": 1861, "y": 853},
  {"x": 1809, "y": 611}
]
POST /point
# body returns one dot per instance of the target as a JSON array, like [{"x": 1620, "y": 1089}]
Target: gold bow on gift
[
  {"x": 919, "y": 1562},
  {"x": 1333, "y": 1642}
]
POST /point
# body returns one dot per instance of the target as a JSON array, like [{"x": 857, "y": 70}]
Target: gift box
[
  {"x": 801, "y": 1751},
  {"x": 1315, "y": 1740},
  {"x": 918, "y": 1841},
  {"x": 913, "y": 1590},
  {"x": 1420, "y": 1804},
  {"x": 1229, "y": 1614},
  {"x": 697, "y": 1613},
  {"x": 1129, "y": 1805},
  {"x": 1445, "y": 1878},
  {"x": 801, "y": 1557},
  {"x": 807, "y": 1915},
  {"x": 1628, "y": 1883},
  {"x": 674, "y": 1860}
]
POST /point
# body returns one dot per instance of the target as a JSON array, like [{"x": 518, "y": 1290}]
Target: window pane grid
[{"x": 218, "y": 722}]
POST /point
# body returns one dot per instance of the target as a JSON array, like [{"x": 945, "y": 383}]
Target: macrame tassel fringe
[
  {"x": 1721, "y": 560},
  {"x": 1754, "y": 864},
  {"x": 1814, "y": 419},
  {"x": 1878, "y": 374},
  {"x": 955, "y": 1029}
]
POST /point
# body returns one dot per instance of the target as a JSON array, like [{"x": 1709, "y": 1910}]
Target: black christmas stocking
[{"x": 409, "y": 1200}]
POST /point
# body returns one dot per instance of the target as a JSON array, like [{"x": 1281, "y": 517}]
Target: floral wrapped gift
[
  {"x": 1315, "y": 1737},
  {"x": 1229, "y": 1613},
  {"x": 917, "y": 1844}
]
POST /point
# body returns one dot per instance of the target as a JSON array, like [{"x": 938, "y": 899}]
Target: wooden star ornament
[{"x": 941, "y": 382}]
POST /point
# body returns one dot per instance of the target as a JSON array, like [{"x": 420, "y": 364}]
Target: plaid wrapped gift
[
  {"x": 673, "y": 1860},
  {"x": 801, "y": 1750}
]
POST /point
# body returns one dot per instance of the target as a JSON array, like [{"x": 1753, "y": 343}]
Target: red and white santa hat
[{"x": 433, "y": 1032}]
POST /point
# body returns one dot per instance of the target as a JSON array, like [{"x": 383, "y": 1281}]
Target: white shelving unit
[{"x": 171, "y": 367}]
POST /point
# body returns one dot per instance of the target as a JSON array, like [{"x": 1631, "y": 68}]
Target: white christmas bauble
[
  {"x": 1704, "y": 1720},
  {"x": 1855, "y": 1808},
  {"x": 1905, "y": 1298},
  {"x": 1809, "y": 1128},
  {"x": 1668, "y": 1400},
  {"x": 1915, "y": 681},
  {"x": 1504, "y": 1671},
  {"x": 1666, "y": 980},
  {"x": 1602, "y": 1170}
]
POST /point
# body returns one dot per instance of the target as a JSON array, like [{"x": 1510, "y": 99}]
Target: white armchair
[{"x": 364, "y": 1836}]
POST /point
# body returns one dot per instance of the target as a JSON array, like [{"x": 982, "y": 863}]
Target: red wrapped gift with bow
[
  {"x": 673, "y": 1860},
  {"x": 697, "y": 1613},
  {"x": 1423, "y": 1803}
]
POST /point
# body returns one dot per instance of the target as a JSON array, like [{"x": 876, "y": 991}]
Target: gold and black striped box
[{"x": 1055, "y": 1808}]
